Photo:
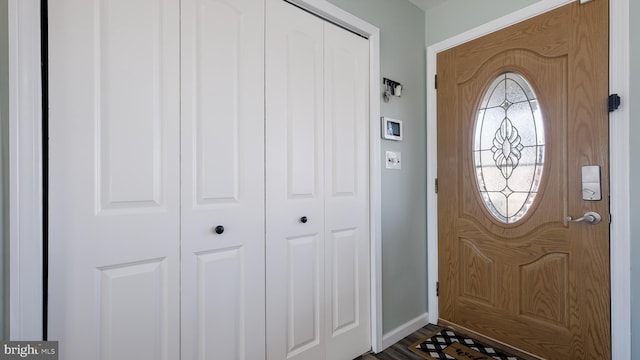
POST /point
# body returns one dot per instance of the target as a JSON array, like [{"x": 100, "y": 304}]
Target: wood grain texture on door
[{"x": 539, "y": 284}]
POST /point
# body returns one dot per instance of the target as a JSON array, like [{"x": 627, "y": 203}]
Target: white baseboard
[{"x": 404, "y": 330}]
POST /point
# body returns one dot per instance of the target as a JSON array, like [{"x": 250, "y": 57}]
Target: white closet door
[
  {"x": 346, "y": 230},
  {"x": 295, "y": 189},
  {"x": 318, "y": 301},
  {"x": 223, "y": 179},
  {"x": 114, "y": 179}
]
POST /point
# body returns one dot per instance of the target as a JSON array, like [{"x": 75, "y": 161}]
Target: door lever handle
[{"x": 590, "y": 217}]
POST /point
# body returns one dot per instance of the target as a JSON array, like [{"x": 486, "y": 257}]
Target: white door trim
[
  {"x": 619, "y": 162},
  {"x": 340, "y": 17},
  {"x": 25, "y": 171},
  {"x": 26, "y": 203}
]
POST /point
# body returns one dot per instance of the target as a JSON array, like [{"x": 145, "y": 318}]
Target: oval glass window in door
[{"x": 508, "y": 148}]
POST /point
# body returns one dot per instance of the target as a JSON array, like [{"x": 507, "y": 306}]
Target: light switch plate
[{"x": 393, "y": 160}]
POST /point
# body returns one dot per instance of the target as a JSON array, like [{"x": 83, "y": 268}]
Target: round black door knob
[
  {"x": 304, "y": 220},
  {"x": 219, "y": 229}
]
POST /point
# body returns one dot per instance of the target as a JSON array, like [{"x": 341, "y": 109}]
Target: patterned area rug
[{"x": 446, "y": 344}]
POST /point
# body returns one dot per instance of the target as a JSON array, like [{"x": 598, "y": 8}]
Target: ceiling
[{"x": 425, "y": 4}]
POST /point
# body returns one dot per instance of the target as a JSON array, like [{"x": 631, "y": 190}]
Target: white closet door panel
[
  {"x": 220, "y": 296},
  {"x": 216, "y": 101},
  {"x": 295, "y": 172},
  {"x": 303, "y": 132},
  {"x": 347, "y": 273},
  {"x": 131, "y": 159},
  {"x": 223, "y": 179},
  {"x": 343, "y": 277},
  {"x": 143, "y": 315},
  {"x": 303, "y": 294},
  {"x": 114, "y": 178}
]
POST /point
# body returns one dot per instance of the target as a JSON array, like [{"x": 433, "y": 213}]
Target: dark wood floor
[{"x": 400, "y": 350}]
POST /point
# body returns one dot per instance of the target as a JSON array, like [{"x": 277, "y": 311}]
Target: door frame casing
[
  {"x": 619, "y": 158},
  {"x": 25, "y": 172},
  {"x": 26, "y": 164}
]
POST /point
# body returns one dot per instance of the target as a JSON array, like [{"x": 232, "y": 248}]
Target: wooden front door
[{"x": 521, "y": 112}]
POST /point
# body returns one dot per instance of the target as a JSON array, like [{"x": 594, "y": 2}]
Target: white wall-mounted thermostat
[{"x": 391, "y": 129}]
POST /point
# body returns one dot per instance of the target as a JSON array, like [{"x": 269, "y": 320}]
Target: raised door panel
[
  {"x": 114, "y": 178},
  {"x": 477, "y": 274},
  {"x": 143, "y": 314},
  {"x": 294, "y": 178},
  {"x": 222, "y": 134},
  {"x": 304, "y": 306},
  {"x": 544, "y": 289},
  {"x": 220, "y": 321},
  {"x": 129, "y": 153},
  {"x": 346, "y": 183},
  {"x": 343, "y": 294},
  {"x": 303, "y": 132},
  {"x": 213, "y": 73}
]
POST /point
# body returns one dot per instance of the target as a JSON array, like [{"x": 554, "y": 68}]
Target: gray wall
[
  {"x": 402, "y": 58},
  {"x": 633, "y": 102},
  {"x": 4, "y": 119},
  {"x": 456, "y": 16}
]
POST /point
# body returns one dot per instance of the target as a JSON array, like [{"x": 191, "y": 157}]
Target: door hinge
[
  {"x": 435, "y": 81},
  {"x": 437, "y": 288},
  {"x": 436, "y": 185},
  {"x": 614, "y": 102}
]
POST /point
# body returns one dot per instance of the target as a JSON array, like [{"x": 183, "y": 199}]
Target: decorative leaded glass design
[{"x": 508, "y": 149}]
